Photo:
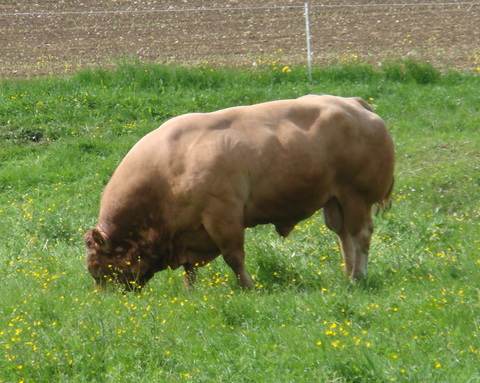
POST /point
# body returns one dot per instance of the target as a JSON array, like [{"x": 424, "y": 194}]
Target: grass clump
[{"x": 411, "y": 70}]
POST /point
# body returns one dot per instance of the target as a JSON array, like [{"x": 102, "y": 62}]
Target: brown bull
[{"x": 186, "y": 192}]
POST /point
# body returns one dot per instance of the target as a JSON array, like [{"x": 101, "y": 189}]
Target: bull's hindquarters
[{"x": 352, "y": 222}]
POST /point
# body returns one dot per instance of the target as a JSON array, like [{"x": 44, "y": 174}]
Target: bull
[{"x": 185, "y": 193}]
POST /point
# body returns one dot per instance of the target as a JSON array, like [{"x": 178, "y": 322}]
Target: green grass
[{"x": 416, "y": 319}]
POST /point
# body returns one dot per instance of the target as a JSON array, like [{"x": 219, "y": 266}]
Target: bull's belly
[
  {"x": 285, "y": 214},
  {"x": 200, "y": 259},
  {"x": 195, "y": 247}
]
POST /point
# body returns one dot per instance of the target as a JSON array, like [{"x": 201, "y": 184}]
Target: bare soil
[{"x": 54, "y": 37}]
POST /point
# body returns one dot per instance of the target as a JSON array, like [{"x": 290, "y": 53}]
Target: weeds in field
[{"x": 476, "y": 61}]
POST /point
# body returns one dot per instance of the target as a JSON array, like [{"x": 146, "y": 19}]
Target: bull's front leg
[
  {"x": 236, "y": 260},
  {"x": 227, "y": 232},
  {"x": 190, "y": 276}
]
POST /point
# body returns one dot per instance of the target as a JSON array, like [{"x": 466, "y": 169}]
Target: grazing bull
[{"x": 186, "y": 192}]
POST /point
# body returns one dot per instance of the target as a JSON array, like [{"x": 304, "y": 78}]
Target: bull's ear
[{"x": 100, "y": 239}]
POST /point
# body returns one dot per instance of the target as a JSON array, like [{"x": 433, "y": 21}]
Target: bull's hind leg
[{"x": 352, "y": 222}]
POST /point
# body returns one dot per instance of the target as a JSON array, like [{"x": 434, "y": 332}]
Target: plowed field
[{"x": 53, "y": 36}]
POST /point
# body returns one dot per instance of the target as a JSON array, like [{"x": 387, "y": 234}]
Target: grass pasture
[{"x": 416, "y": 318}]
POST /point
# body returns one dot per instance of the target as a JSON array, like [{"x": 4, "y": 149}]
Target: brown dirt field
[{"x": 54, "y": 37}]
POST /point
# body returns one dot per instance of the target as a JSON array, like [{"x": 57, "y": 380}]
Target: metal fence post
[{"x": 309, "y": 49}]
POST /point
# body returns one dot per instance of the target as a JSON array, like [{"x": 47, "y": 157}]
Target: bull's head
[{"x": 124, "y": 263}]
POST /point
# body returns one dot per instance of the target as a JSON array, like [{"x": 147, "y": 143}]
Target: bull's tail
[{"x": 385, "y": 203}]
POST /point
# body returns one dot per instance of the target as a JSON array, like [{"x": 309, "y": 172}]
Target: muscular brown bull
[{"x": 185, "y": 193}]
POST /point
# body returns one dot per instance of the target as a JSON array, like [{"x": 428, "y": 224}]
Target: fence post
[{"x": 309, "y": 49}]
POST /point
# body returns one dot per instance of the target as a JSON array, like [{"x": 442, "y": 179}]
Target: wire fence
[{"x": 54, "y": 37}]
